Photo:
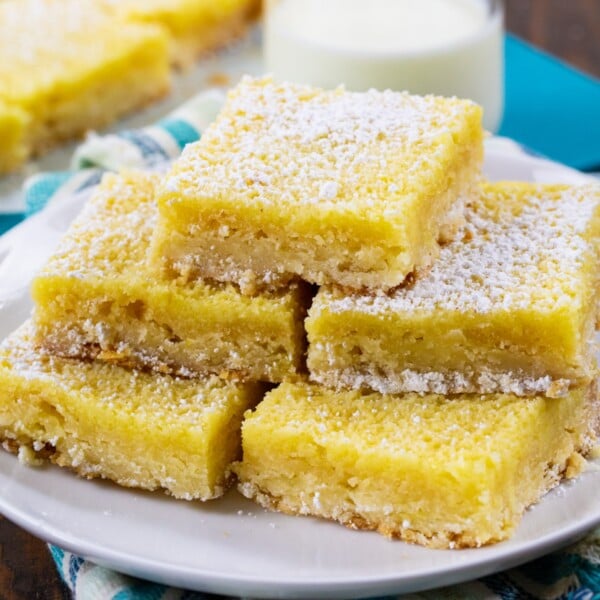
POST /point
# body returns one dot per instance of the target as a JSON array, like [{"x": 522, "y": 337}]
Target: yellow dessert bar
[
  {"x": 95, "y": 298},
  {"x": 509, "y": 308},
  {"x": 140, "y": 430},
  {"x": 441, "y": 472},
  {"x": 194, "y": 26},
  {"x": 13, "y": 151},
  {"x": 330, "y": 186},
  {"x": 73, "y": 66}
]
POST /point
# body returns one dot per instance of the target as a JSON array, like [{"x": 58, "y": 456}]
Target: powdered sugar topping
[
  {"x": 290, "y": 144},
  {"x": 524, "y": 246}
]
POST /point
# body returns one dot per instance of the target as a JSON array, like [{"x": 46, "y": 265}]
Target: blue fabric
[
  {"x": 551, "y": 107},
  {"x": 9, "y": 220},
  {"x": 181, "y": 131},
  {"x": 147, "y": 145},
  {"x": 40, "y": 188}
]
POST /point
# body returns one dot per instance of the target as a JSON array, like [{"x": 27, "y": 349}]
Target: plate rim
[{"x": 213, "y": 581}]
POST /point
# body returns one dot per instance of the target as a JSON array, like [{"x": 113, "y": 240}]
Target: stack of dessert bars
[{"x": 438, "y": 381}]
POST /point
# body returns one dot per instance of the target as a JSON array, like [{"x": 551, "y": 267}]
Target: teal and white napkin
[{"x": 151, "y": 147}]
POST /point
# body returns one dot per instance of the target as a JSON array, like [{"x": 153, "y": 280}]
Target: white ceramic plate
[{"x": 231, "y": 546}]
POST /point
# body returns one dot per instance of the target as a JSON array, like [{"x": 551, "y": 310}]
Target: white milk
[{"x": 447, "y": 47}]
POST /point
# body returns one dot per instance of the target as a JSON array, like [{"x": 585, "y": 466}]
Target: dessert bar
[
  {"x": 329, "y": 186},
  {"x": 13, "y": 123},
  {"x": 138, "y": 429},
  {"x": 194, "y": 26},
  {"x": 96, "y": 298},
  {"x": 510, "y": 307},
  {"x": 441, "y": 472},
  {"x": 73, "y": 66}
]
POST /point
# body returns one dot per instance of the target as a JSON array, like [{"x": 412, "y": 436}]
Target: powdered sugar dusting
[
  {"x": 290, "y": 144},
  {"x": 525, "y": 245},
  {"x": 111, "y": 235}
]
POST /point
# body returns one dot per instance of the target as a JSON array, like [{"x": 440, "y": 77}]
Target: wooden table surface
[{"x": 569, "y": 29}]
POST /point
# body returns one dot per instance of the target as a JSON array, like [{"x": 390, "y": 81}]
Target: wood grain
[
  {"x": 26, "y": 569},
  {"x": 570, "y": 29}
]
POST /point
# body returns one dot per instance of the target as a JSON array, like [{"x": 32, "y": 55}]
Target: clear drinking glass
[{"x": 446, "y": 47}]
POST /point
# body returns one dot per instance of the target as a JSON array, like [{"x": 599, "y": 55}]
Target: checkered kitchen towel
[
  {"x": 570, "y": 574},
  {"x": 148, "y": 148}
]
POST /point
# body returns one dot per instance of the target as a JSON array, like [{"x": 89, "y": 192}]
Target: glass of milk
[{"x": 445, "y": 47}]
